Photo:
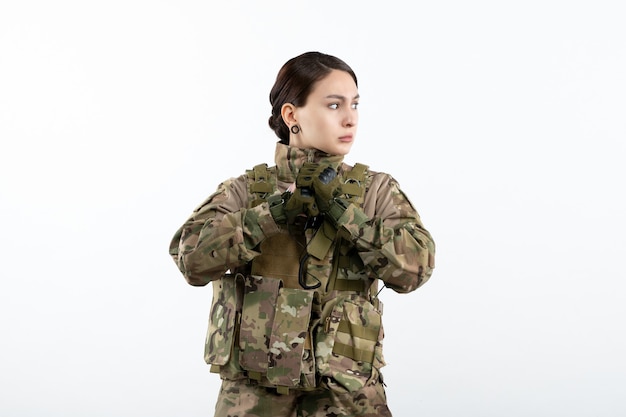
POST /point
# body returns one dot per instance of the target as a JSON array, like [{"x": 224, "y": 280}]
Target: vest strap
[
  {"x": 349, "y": 285},
  {"x": 262, "y": 184},
  {"x": 282, "y": 390},
  {"x": 322, "y": 241},
  {"x": 354, "y": 353},
  {"x": 354, "y": 183},
  {"x": 254, "y": 375},
  {"x": 358, "y": 331}
]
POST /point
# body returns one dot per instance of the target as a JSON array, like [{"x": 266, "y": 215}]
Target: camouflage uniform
[{"x": 295, "y": 326}]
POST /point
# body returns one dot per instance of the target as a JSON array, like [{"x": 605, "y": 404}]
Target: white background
[{"x": 503, "y": 122}]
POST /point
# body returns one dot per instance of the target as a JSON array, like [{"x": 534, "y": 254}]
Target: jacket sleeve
[
  {"x": 221, "y": 234},
  {"x": 389, "y": 236}
]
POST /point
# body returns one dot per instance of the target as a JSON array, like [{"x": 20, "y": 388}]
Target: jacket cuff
[{"x": 352, "y": 219}]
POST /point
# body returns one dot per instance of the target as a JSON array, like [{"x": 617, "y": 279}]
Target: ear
[{"x": 288, "y": 113}]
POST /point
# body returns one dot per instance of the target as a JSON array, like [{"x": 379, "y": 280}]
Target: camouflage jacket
[{"x": 266, "y": 327}]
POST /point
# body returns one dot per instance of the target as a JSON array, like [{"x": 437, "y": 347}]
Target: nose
[{"x": 351, "y": 118}]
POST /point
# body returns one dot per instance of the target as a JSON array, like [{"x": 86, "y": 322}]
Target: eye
[
  {"x": 355, "y": 106},
  {"x": 333, "y": 106}
]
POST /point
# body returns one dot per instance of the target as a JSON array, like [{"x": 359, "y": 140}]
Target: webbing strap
[
  {"x": 363, "y": 332},
  {"x": 344, "y": 260},
  {"x": 322, "y": 241},
  {"x": 354, "y": 183},
  {"x": 282, "y": 390},
  {"x": 261, "y": 186},
  {"x": 254, "y": 375},
  {"x": 361, "y": 355},
  {"x": 354, "y": 190},
  {"x": 349, "y": 285},
  {"x": 357, "y": 172},
  {"x": 262, "y": 182}
]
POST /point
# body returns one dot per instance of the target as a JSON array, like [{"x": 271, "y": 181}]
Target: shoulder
[
  {"x": 230, "y": 190},
  {"x": 236, "y": 192}
]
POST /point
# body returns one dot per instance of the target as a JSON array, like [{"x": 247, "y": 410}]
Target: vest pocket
[
  {"x": 289, "y": 336},
  {"x": 348, "y": 345},
  {"x": 222, "y": 321},
  {"x": 257, "y": 317}
]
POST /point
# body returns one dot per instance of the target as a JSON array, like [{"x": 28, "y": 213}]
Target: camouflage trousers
[{"x": 241, "y": 399}]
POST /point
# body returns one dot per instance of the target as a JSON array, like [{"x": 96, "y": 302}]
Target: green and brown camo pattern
[{"x": 273, "y": 334}]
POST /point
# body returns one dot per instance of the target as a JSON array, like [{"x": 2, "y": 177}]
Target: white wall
[{"x": 503, "y": 121}]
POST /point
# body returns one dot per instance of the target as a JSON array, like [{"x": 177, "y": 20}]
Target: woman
[{"x": 295, "y": 253}]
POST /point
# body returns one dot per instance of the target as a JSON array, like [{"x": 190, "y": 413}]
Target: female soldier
[{"x": 295, "y": 253}]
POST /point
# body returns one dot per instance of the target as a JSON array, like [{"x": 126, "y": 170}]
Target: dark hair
[{"x": 295, "y": 81}]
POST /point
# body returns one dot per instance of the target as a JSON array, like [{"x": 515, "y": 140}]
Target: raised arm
[
  {"x": 390, "y": 237},
  {"x": 221, "y": 234}
]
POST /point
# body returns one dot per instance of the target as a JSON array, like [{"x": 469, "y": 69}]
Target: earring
[{"x": 295, "y": 129}]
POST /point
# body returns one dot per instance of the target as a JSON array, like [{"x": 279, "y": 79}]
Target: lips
[{"x": 346, "y": 138}]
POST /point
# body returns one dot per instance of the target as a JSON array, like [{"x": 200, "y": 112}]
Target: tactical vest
[{"x": 292, "y": 319}]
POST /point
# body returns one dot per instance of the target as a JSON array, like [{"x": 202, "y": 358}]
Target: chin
[
  {"x": 344, "y": 150},
  {"x": 341, "y": 149}
]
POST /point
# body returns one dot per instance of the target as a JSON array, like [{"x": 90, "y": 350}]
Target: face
[{"x": 328, "y": 120}]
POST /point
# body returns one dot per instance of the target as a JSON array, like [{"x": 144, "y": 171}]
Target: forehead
[{"x": 336, "y": 83}]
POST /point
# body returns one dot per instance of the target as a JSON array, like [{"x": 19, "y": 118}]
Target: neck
[{"x": 290, "y": 159}]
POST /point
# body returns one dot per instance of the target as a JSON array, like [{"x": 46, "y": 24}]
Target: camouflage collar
[{"x": 289, "y": 160}]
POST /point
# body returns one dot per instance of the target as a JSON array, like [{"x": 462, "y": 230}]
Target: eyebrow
[{"x": 340, "y": 97}]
